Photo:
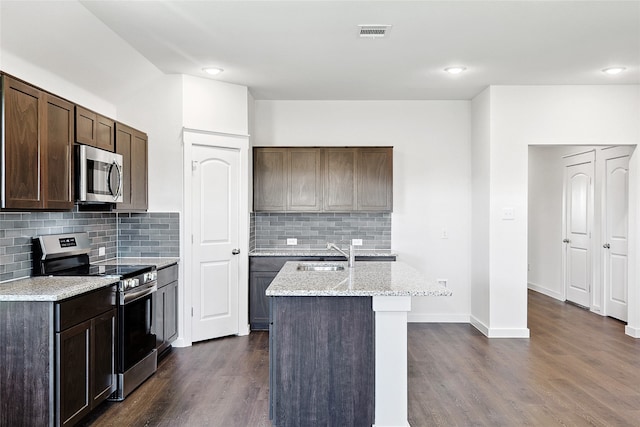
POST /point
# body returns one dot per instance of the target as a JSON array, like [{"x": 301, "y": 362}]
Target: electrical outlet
[
  {"x": 102, "y": 251},
  {"x": 356, "y": 242},
  {"x": 442, "y": 282},
  {"x": 293, "y": 241},
  {"x": 508, "y": 214}
]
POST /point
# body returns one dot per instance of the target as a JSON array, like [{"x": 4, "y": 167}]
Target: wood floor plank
[{"x": 577, "y": 369}]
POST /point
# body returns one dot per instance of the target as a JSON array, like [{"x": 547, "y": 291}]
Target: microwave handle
[{"x": 115, "y": 165}]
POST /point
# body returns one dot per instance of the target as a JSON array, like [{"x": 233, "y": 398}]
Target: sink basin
[{"x": 320, "y": 267}]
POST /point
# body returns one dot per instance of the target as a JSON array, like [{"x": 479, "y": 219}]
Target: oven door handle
[{"x": 126, "y": 298}]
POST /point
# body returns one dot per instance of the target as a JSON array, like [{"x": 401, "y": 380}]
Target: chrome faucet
[{"x": 351, "y": 257}]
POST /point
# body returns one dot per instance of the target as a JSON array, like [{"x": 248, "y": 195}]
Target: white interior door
[
  {"x": 578, "y": 222},
  {"x": 616, "y": 204},
  {"x": 215, "y": 229}
]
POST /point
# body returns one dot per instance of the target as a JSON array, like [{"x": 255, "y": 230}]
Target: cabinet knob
[{"x": 235, "y": 251}]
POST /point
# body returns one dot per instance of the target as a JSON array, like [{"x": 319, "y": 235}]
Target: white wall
[
  {"x": 542, "y": 115},
  {"x": 432, "y": 177},
  {"x": 25, "y": 70},
  {"x": 480, "y": 149},
  {"x": 156, "y": 108},
  {"x": 215, "y": 106}
]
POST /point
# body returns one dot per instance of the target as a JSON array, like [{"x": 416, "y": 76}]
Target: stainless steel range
[{"x": 136, "y": 358}]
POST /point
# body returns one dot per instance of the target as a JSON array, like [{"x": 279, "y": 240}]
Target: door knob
[
  {"x": 235, "y": 251},
  {"x": 565, "y": 240},
  {"x": 606, "y": 246}
]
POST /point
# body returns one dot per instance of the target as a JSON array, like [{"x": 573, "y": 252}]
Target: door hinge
[{"x": 191, "y": 311}]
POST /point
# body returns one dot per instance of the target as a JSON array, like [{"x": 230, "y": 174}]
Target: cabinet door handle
[{"x": 235, "y": 251}]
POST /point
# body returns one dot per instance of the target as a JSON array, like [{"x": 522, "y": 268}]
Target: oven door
[
  {"x": 136, "y": 338},
  {"x": 99, "y": 175}
]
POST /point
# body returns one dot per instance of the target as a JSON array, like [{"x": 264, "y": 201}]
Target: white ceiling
[{"x": 311, "y": 50}]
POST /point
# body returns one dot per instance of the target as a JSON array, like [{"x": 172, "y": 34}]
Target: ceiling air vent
[{"x": 374, "y": 31}]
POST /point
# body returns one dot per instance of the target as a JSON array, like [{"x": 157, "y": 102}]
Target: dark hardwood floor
[{"x": 577, "y": 369}]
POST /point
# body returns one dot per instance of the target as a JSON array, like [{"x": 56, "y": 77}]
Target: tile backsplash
[
  {"x": 314, "y": 230},
  {"x": 134, "y": 235},
  {"x": 149, "y": 234}
]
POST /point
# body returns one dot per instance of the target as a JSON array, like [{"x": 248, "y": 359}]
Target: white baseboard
[
  {"x": 499, "y": 332},
  {"x": 509, "y": 333},
  {"x": 476, "y": 323},
  {"x": 545, "y": 291},
  {"x": 181, "y": 343},
  {"x": 437, "y": 318},
  {"x": 632, "y": 332}
]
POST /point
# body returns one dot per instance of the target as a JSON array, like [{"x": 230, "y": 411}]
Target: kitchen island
[{"x": 338, "y": 342}]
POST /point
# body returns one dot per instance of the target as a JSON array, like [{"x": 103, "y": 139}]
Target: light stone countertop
[
  {"x": 57, "y": 288},
  {"x": 51, "y": 288},
  {"x": 318, "y": 252},
  {"x": 365, "y": 279},
  {"x": 159, "y": 262}
]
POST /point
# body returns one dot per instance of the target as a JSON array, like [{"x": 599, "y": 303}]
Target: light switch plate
[
  {"x": 356, "y": 242},
  {"x": 293, "y": 241}
]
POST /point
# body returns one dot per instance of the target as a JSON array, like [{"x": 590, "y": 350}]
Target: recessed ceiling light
[
  {"x": 213, "y": 71},
  {"x": 455, "y": 70},
  {"x": 613, "y": 70}
]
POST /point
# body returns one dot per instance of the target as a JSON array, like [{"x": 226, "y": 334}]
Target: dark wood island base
[{"x": 322, "y": 361}]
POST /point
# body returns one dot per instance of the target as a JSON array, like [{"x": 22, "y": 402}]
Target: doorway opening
[{"x": 578, "y": 207}]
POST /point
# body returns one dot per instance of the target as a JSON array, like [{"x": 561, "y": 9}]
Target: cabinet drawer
[
  {"x": 167, "y": 275},
  {"x": 83, "y": 307}
]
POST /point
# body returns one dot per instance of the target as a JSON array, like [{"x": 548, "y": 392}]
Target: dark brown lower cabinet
[
  {"x": 57, "y": 358},
  {"x": 165, "y": 307},
  {"x": 85, "y": 356},
  {"x": 322, "y": 361},
  {"x": 73, "y": 373}
]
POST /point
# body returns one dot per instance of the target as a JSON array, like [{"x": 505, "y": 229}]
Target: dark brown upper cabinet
[
  {"x": 94, "y": 129},
  {"x": 304, "y": 180},
  {"x": 38, "y": 144},
  {"x": 323, "y": 179},
  {"x": 340, "y": 185},
  {"x": 132, "y": 145},
  {"x": 58, "y": 143},
  {"x": 287, "y": 179},
  {"x": 270, "y": 179},
  {"x": 375, "y": 179}
]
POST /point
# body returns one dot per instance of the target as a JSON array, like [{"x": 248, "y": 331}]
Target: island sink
[{"x": 313, "y": 266}]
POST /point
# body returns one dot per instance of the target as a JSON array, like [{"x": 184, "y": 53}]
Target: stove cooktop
[{"x": 116, "y": 270}]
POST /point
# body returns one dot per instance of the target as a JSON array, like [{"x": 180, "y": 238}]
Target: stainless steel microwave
[{"x": 98, "y": 175}]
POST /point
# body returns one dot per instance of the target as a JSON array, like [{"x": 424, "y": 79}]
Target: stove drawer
[{"x": 75, "y": 310}]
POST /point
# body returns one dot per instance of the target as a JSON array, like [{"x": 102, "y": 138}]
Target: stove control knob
[{"x": 130, "y": 283}]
